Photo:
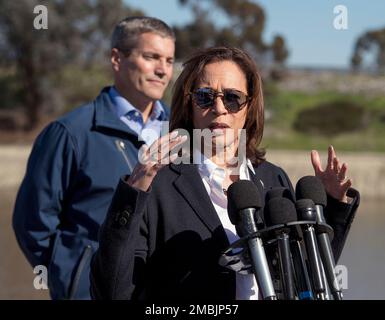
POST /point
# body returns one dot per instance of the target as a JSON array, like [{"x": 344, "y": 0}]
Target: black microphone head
[
  {"x": 242, "y": 194},
  {"x": 306, "y": 209},
  {"x": 311, "y": 187},
  {"x": 279, "y": 192},
  {"x": 280, "y": 211}
]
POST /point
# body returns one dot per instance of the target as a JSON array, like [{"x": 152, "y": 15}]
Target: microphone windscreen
[
  {"x": 311, "y": 187},
  {"x": 242, "y": 194},
  {"x": 280, "y": 211},
  {"x": 303, "y": 204},
  {"x": 279, "y": 192},
  {"x": 306, "y": 209}
]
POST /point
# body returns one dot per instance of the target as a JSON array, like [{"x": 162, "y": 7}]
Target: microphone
[
  {"x": 311, "y": 187},
  {"x": 301, "y": 273},
  {"x": 300, "y": 268},
  {"x": 281, "y": 211},
  {"x": 279, "y": 192},
  {"x": 306, "y": 211},
  {"x": 243, "y": 205}
]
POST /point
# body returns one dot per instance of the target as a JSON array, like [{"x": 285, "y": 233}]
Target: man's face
[{"x": 143, "y": 76}]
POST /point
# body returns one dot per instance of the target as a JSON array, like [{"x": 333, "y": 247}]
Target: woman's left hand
[{"x": 334, "y": 176}]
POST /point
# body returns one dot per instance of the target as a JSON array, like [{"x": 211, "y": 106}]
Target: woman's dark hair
[{"x": 181, "y": 105}]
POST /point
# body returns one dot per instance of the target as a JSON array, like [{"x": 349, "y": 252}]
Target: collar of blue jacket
[
  {"x": 123, "y": 107},
  {"x": 105, "y": 114},
  {"x": 147, "y": 131}
]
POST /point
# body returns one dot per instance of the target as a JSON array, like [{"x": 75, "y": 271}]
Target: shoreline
[{"x": 367, "y": 169}]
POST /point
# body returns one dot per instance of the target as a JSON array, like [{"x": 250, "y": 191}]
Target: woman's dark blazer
[{"x": 165, "y": 244}]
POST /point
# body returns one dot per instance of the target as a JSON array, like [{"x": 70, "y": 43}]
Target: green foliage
[
  {"x": 283, "y": 109},
  {"x": 80, "y": 86},
  {"x": 279, "y": 49},
  {"x": 10, "y": 90},
  {"x": 78, "y": 35},
  {"x": 244, "y": 29},
  {"x": 370, "y": 42},
  {"x": 331, "y": 118},
  {"x": 270, "y": 89}
]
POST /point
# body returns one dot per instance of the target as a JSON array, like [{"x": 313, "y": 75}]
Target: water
[
  {"x": 16, "y": 275},
  {"x": 363, "y": 255},
  {"x": 364, "y": 252}
]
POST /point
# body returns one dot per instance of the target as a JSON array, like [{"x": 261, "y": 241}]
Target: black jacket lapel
[
  {"x": 190, "y": 185},
  {"x": 256, "y": 178}
]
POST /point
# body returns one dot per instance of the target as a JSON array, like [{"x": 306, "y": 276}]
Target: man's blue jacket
[{"x": 72, "y": 172}]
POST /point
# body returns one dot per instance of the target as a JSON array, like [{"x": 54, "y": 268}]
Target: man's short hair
[{"x": 126, "y": 33}]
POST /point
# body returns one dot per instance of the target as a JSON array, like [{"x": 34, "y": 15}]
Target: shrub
[{"x": 332, "y": 118}]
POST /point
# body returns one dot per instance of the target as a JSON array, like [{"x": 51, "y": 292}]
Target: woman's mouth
[
  {"x": 218, "y": 126},
  {"x": 218, "y": 129}
]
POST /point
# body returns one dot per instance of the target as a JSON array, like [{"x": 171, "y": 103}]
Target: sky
[{"x": 307, "y": 26}]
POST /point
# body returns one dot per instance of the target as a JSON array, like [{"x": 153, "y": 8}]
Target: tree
[
  {"x": 78, "y": 33},
  {"x": 372, "y": 43},
  {"x": 247, "y": 20},
  {"x": 279, "y": 49},
  {"x": 200, "y": 33},
  {"x": 245, "y": 25}
]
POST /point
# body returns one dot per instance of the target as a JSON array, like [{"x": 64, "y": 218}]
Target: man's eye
[{"x": 150, "y": 56}]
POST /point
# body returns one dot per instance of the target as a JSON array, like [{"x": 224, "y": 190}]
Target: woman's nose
[{"x": 219, "y": 107}]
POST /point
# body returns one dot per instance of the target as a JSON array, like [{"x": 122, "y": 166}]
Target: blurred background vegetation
[{"x": 45, "y": 73}]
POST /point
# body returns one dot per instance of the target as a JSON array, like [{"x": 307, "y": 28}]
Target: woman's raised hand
[
  {"x": 333, "y": 176},
  {"x": 153, "y": 158}
]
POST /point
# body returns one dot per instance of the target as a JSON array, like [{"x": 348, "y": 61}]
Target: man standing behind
[{"x": 77, "y": 160}]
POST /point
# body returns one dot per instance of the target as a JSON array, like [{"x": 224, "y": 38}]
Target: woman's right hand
[{"x": 153, "y": 158}]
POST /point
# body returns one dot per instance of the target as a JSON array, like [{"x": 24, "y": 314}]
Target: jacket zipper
[
  {"x": 75, "y": 283},
  {"x": 120, "y": 146}
]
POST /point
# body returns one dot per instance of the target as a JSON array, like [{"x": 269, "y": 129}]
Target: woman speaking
[{"x": 168, "y": 224}]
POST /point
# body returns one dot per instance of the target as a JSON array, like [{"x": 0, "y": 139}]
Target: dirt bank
[{"x": 366, "y": 169}]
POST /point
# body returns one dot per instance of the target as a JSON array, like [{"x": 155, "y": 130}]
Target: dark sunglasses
[{"x": 233, "y": 100}]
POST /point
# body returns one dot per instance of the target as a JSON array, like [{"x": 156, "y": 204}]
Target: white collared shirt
[{"x": 212, "y": 177}]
